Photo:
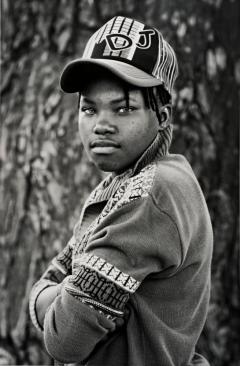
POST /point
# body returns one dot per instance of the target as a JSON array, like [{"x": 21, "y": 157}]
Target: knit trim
[
  {"x": 107, "y": 270},
  {"x": 99, "y": 288},
  {"x": 129, "y": 190},
  {"x": 108, "y": 311},
  {"x": 102, "y": 281},
  {"x": 107, "y": 187},
  {"x": 63, "y": 261}
]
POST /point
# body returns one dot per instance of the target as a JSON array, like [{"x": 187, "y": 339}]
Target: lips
[
  {"x": 104, "y": 143},
  {"x": 104, "y": 147}
]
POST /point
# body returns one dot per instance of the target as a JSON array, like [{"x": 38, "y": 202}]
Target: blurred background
[{"x": 45, "y": 176}]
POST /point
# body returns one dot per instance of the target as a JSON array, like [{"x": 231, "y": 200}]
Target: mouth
[{"x": 104, "y": 146}]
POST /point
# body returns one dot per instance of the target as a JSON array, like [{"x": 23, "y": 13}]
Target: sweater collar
[{"x": 158, "y": 148}]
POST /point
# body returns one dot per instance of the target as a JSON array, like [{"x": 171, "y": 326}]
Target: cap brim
[{"x": 76, "y": 74}]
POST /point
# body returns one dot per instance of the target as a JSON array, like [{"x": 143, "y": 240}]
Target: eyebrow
[
  {"x": 87, "y": 100},
  {"x": 114, "y": 101},
  {"x": 118, "y": 100}
]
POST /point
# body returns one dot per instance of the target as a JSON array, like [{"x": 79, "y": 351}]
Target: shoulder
[
  {"x": 174, "y": 166},
  {"x": 174, "y": 175},
  {"x": 177, "y": 193},
  {"x": 165, "y": 175},
  {"x": 176, "y": 190},
  {"x": 167, "y": 179}
]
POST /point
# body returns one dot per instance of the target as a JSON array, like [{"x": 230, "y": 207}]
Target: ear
[{"x": 166, "y": 116}]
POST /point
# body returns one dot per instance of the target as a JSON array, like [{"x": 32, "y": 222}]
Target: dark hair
[{"x": 154, "y": 98}]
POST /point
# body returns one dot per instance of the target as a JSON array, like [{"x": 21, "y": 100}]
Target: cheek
[
  {"x": 143, "y": 133},
  {"x": 83, "y": 129}
]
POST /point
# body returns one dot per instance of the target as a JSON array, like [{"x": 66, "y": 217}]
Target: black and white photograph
[{"x": 119, "y": 183}]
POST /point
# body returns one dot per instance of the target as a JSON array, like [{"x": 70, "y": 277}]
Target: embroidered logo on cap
[
  {"x": 118, "y": 41},
  {"x": 129, "y": 42}
]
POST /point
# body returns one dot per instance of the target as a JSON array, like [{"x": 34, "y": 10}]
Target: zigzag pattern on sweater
[
  {"x": 95, "y": 280},
  {"x": 63, "y": 261},
  {"x": 130, "y": 189},
  {"x": 102, "y": 281}
]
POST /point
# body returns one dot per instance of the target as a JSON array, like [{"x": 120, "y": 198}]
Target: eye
[
  {"x": 88, "y": 110},
  {"x": 125, "y": 110}
]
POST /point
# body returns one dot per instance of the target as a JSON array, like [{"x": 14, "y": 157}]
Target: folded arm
[
  {"x": 48, "y": 287},
  {"x": 122, "y": 251}
]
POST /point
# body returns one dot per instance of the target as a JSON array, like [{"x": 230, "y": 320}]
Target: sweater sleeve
[
  {"x": 59, "y": 268},
  {"x": 133, "y": 242}
]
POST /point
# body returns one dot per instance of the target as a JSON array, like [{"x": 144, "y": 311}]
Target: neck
[{"x": 159, "y": 147}]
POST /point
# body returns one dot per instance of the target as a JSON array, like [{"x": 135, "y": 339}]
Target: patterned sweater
[{"x": 136, "y": 273}]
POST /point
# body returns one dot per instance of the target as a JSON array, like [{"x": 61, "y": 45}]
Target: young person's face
[{"x": 114, "y": 136}]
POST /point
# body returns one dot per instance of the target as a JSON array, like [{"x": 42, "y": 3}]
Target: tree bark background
[{"x": 45, "y": 176}]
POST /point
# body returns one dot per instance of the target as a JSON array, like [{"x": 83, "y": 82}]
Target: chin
[{"x": 107, "y": 167}]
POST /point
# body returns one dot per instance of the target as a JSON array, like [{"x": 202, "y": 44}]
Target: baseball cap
[{"x": 134, "y": 52}]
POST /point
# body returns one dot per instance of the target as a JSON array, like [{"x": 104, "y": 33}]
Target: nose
[{"x": 103, "y": 125}]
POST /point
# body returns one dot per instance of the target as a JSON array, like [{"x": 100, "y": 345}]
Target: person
[{"x": 132, "y": 285}]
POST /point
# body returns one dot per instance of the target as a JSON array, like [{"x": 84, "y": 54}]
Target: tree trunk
[{"x": 45, "y": 176}]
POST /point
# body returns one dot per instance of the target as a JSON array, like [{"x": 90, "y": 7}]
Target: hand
[{"x": 45, "y": 299}]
